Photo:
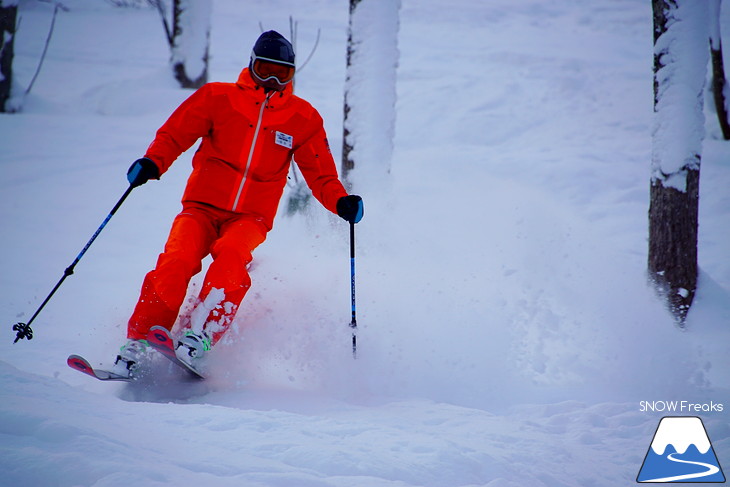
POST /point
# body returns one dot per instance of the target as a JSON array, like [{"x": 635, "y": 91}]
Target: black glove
[
  {"x": 141, "y": 171},
  {"x": 350, "y": 208}
]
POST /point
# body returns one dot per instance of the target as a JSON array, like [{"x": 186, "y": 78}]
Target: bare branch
[
  {"x": 56, "y": 8},
  {"x": 159, "y": 5},
  {"x": 316, "y": 43}
]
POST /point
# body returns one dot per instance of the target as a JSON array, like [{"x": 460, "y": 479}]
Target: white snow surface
[{"x": 506, "y": 332}]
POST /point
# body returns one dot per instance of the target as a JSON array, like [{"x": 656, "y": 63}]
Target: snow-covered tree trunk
[
  {"x": 190, "y": 41},
  {"x": 370, "y": 96},
  {"x": 719, "y": 82},
  {"x": 680, "y": 67},
  {"x": 8, "y": 15}
]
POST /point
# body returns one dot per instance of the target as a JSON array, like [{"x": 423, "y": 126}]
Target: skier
[{"x": 250, "y": 132}]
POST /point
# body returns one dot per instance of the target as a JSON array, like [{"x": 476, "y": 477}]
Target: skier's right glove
[{"x": 141, "y": 171}]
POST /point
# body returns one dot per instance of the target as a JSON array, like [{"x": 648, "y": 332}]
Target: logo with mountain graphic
[{"x": 681, "y": 452}]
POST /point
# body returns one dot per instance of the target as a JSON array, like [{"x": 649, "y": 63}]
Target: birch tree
[
  {"x": 369, "y": 110},
  {"x": 188, "y": 35},
  {"x": 680, "y": 68}
]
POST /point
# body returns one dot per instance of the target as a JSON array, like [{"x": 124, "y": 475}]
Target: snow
[
  {"x": 370, "y": 91},
  {"x": 715, "y": 7},
  {"x": 506, "y": 331},
  {"x": 200, "y": 313},
  {"x": 678, "y": 130},
  {"x": 190, "y": 48}
]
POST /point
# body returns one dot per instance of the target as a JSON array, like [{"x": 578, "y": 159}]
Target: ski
[
  {"x": 160, "y": 339},
  {"x": 79, "y": 363}
]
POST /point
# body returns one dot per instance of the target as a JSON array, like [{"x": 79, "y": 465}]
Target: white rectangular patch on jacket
[{"x": 284, "y": 140}]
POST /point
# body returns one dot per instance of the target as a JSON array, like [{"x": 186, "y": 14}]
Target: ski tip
[{"x": 77, "y": 362}]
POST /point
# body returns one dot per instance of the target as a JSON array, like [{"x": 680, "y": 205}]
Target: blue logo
[{"x": 681, "y": 452}]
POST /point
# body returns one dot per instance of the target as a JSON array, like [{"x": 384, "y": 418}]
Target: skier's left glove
[
  {"x": 350, "y": 208},
  {"x": 141, "y": 171}
]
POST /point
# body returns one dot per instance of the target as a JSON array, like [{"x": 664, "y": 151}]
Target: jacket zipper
[{"x": 250, "y": 152}]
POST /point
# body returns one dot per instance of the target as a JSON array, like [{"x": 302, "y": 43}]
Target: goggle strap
[{"x": 275, "y": 61}]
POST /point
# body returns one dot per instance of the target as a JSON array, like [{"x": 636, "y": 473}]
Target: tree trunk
[
  {"x": 8, "y": 15},
  {"x": 348, "y": 163},
  {"x": 370, "y": 95},
  {"x": 190, "y": 39},
  {"x": 673, "y": 243},
  {"x": 718, "y": 70},
  {"x": 680, "y": 60}
]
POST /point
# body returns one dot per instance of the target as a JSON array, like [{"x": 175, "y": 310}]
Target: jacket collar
[{"x": 246, "y": 82}]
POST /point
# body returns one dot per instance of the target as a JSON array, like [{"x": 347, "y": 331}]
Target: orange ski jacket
[{"x": 249, "y": 138}]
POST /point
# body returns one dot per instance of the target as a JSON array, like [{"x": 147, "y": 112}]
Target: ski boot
[
  {"x": 127, "y": 362},
  {"x": 191, "y": 347}
]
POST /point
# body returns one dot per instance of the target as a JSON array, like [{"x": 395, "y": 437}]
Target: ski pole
[
  {"x": 353, "y": 323},
  {"x": 23, "y": 329}
]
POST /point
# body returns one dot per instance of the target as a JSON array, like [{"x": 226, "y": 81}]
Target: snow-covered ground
[{"x": 506, "y": 333}]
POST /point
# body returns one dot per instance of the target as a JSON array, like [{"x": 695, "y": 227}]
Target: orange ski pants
[{"x": 197, "y": 231}]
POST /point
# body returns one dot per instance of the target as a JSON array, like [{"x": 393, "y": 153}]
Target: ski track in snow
[{"x": 506, "y": 334}]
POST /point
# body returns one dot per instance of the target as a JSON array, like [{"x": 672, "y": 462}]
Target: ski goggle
[{"x": 266, "y": 69}]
